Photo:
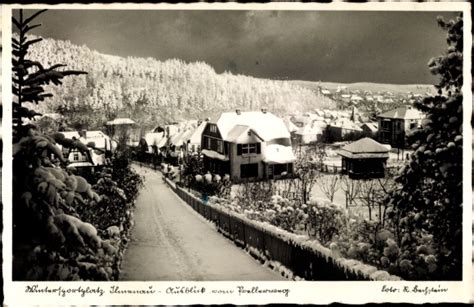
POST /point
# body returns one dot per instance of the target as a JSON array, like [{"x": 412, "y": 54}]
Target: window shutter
[
  {"x": 258, "y": 148},
  {"x": 239, "y": 149}
]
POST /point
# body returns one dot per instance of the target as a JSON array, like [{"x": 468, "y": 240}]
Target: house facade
[
  {"x": 311, "y": 133},
  {"x": 394, "y": 125},
  {"x": 102, "y": 144},
  {"x": 247, "y": 146}
]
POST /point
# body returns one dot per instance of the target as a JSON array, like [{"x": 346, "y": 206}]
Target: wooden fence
[{"x": 302, "y": 259}]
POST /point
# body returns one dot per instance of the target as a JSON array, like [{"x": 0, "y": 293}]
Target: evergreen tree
[
  {"x": 30, "y": 77},
  {"x": 427, "y": 210}
]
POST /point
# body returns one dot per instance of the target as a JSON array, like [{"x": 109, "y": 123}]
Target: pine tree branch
[{"x": 29, "y": 19}]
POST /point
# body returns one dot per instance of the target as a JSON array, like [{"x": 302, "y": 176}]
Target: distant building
[
  {"x": 248, "y": 145},
  {"x": 102, "y": 144},
  {"x": 364, "y": 158},
  {"x": 312, "y": 132},
  {"x": 156, "y": 141},
  {"x": 394, "y": 125},
  {"x": 342, "y": 129},
  {"x": 121, "y": 127},
  {"x": 193, "y": 141},
  {"x": 355, "y": 99}
]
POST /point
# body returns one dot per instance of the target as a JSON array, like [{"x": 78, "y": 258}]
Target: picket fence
[{"x": 305, "y": 260}]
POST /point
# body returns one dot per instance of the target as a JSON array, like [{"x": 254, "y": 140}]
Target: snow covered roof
[
  {"x": 243, "y": 134},
  {"x": 371, "y": 126},
  {"x": 195, "y": 137},
  {"x": 364, "y": 148},
  {"x": 406, "y": 112},
  {"x": 289, "y": 125},
  {"x": 177, "y": 138},
  {"x": 120, "y": 121},
  {"x": 276, "y": 153},
  {"x": 214, "y": 155},
  {"x": 345, "y": 124},
  {"x": 154, "y": 138},
  {"x": 266, "y": 125},
  {"x": 187, "y": 134},
  {"x": 311, "y": 129},
  {"x": 100, "y": 139}
]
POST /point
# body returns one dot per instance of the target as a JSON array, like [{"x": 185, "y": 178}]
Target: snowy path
[{"x": 172, "y": 242}]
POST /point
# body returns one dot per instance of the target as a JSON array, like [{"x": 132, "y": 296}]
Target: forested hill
[{"x": 152, "y": 92}]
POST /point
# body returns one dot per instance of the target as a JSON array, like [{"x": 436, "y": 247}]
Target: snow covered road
[{"x": 172, "y": 242}]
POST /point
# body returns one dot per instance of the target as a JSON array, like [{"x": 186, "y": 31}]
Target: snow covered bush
[{"x": 325, "y": 220}]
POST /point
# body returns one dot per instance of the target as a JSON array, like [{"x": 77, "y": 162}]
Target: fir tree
[{"x": 30, "y": 77}]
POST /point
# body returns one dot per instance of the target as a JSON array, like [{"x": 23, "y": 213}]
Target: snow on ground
[{"x": 170, "y": 242}]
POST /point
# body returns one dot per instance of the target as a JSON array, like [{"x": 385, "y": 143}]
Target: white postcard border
[{"x": 299, "y": 292}]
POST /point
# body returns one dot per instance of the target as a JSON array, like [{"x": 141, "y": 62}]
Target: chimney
[
  {"x": 237, "y": 111},
  {"x": 264, "y": 111}
]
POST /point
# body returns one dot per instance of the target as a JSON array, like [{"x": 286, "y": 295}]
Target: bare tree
[
  {"x": 367, "y": 190},
  {"x": 350, "y": 188},
  {"x": 386, "y": 186},
  {"x": 329, "y": 184}
]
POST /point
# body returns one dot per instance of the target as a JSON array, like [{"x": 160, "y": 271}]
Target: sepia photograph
[{"x": 237, "y": 145}]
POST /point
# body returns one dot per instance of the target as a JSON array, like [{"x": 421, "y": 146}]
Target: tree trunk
[{"x": 370, "y": 209}]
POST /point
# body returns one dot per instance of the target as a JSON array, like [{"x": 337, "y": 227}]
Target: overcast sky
[{"x": 384, "y": 47}]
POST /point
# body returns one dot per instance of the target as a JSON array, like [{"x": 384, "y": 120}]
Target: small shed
[{"x": 364, "y": 159}]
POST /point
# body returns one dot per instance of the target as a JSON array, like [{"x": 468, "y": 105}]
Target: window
[
  {"x": 413, "y": 125},
  {"x": 220, "y": 146},
  {"x": 213, "y": 128},
  {"x": 208, "y": 143},
  {"x": 386, "y": 124},
  {"x": 249, "y": 148},
  {"x": 75, "y": 156},
  {"x": 246, "y": 149},
  {"x": 249, "y": 170}
]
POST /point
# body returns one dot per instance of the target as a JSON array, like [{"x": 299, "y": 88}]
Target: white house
[
  {"x": 248, "y": 145},
  {"x": 100, "y": 140}
]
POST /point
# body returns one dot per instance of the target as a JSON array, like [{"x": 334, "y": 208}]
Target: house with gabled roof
[
  {"x": 310, "y": 133},
  {"x": 342, "y": 129},
  {"x": 395, "y": 124},
  {"x": 365, "y": 158},
  {"x": 247, "y": 145}
]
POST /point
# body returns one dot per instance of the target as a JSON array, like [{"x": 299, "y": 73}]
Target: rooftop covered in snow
[
  {"x": 363, "y": 149},
  {"x": 266, "y": 125},
  {"x": 406, "y": 112}
]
